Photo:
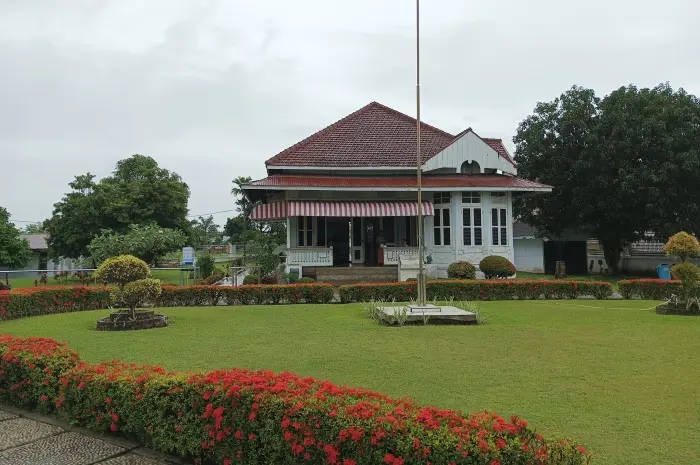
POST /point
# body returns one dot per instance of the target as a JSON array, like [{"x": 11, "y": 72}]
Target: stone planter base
[
  {"x": 676, "y": 309},
  {"x": 123, "y": 320}
]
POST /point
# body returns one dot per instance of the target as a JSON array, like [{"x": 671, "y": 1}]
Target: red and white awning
[{"x": 279, "y": 210}]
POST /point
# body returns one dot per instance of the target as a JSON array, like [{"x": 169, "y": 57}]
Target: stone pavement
[{"x": 30, "y": 439}]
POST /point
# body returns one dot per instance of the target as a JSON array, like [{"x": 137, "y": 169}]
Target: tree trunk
[{"x": 612, "y": 249}]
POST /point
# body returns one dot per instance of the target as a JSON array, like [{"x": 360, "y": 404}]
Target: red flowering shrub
[
  {"x": 649, "y": 289},
  {"x": 477, "y": 290},
  {"x": 22, "y": 303},
  {"x": 251, "y": 417}
]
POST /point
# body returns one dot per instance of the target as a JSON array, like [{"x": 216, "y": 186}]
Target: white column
[
  {"x": 289, "y": 233},
  {"x": 509, "y": 226}
]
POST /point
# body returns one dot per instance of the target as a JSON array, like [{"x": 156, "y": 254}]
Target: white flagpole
[{"x": 421, "y": 239}]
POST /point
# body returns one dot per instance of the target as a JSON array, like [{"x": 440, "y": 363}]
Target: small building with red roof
[{"x": 348, "y": 194}]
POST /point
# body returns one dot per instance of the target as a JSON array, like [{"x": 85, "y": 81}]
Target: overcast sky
[{"x": 211, "y": 89}]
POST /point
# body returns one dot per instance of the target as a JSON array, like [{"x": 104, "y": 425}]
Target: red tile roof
[
  {"x": 373, "y": 136},
  {"x": 398, "y": 182}
]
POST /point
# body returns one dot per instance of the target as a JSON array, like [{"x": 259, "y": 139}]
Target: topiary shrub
[
  {"x": 122, "y": 270},
  {"x": 461, "y": 270},
  {"x": 136, "y": 293},
  {"x": 683, "y": 246},
  {"x": 689, "y": 275},
  {"x": 495, "y": 266},
  {"x": 306, "y": 280},
  {"x": 270, "y": 279}
]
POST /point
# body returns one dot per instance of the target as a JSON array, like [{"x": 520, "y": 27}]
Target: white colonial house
[{"x": 348, "y": 194}]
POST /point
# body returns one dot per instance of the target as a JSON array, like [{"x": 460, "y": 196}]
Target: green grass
[{"x": 611, "y": 374}]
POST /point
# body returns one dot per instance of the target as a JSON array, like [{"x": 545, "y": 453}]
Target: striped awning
[{"x": 279, "y": 210}]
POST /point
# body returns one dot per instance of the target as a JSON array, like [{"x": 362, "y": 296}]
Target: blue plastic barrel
[{"x": 663, "y": 271}]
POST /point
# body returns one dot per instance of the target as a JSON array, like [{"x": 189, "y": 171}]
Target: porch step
[{"x": 341, "y": 275}]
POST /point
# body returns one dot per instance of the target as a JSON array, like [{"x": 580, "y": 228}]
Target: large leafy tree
[
  {"x": 147, "y": 242},
  {"x": 621, "y": 166},
  {"x": 14, "y": 251},
  {"x": 137, "y": 192},
  {"x": 205, "y": 231}
]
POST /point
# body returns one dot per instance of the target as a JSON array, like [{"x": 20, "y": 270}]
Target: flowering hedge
[
  {"x": 182, "y": 296},
  {"x": 649, "y": 289},
  {"x": 36, "y": 301},
  {"x": 503, "y": 289},
  {"x": 22, "y": 303},
  {"x": 251, "y": 417}
]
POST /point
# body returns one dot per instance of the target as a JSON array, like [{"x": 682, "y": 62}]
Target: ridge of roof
[{"x": 433, "y": 131}]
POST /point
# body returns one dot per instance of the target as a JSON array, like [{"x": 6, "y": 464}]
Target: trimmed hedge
[
  {"x": 252, "y": 417},
  {"x": 21, "y": 303},
  {"x": 477, "y": 290},
  {"x": 649, "y": 289},
  {"x": 185, "y": 296}
]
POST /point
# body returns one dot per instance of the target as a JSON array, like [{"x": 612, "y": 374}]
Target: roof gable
[{"x": 373, "y": 136}]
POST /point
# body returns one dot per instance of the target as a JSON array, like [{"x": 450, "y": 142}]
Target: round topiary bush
[
  {"x": 495, "y": 266},
  {"x": 683, "y": 246},
  {"x": 461, "y": 270},
  {"x": 136, "y": 293},
  {"x": 306, "y": 280},
  {"x": 250, "y": 279},
  {"x": 689, "y": 275},
  {"x": 122, "y": 270}
]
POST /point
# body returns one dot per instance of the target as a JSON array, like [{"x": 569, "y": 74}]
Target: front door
[
  {"x": 339, "y": 238},
  {"x": 371, "y": 245}
]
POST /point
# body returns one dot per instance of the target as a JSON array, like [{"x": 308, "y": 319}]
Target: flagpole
[{"x": 421, "y": 239}]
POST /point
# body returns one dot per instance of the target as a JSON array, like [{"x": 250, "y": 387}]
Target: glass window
[
  {"x": 471, "y": 226},
  {"x": 471, "y": 197},
  {"x": 498, "y": 197},
  {"x": 305, "y": 234},
  {"x": 440, "y": 198},
  {"x": 499, "y": 227},
  {"x": 441, "y": 225}
]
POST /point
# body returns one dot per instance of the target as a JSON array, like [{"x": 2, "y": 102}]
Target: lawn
[{"x": 611, "y": 374}]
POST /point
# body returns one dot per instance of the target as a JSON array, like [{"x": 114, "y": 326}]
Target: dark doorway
[
  {"x": 573, "y": 253},
  {"x": 338, "y": 231},
  {"x": 371, "y": 245}
]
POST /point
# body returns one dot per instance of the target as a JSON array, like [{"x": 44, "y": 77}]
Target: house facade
[{"x": 348, "y": 194}]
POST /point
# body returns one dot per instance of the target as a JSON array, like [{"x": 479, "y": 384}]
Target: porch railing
[
  {"x": 392, "y": 254},
  {"x": 310, "y": 256}
]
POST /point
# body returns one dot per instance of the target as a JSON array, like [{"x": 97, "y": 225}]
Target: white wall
[
  {"x": 529, "y": 255},
  {"x": 469, "y": 147},
  {"x": 443, "y": 256}
]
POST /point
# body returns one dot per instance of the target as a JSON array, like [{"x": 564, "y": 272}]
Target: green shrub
[
  {"x": 253, "y": 417},
  {"x": 253, "y": 294},
  {"x": 121, "y": 270},
  {"x": 683, "y": 246},
  {"x": 213, "y": 279},
  {"x": 445, "y": 289},
  {"x": 689, "y": 276},
  {"x": 461, "y": 270},
  {"x": 495, "y": 266},
  {"x": 306, "y": 280},
  {"x": 648, "y": 289},
  {"x": 251, "y": 279},
  {"x": 138, "y": 292},
  {"x": 22, "y": 303},
  {"x": 206, "y": 265}
]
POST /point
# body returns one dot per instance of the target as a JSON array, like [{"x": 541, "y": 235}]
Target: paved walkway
[{"x": 29, "y": 439}]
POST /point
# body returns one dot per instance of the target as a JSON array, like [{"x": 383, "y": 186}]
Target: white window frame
[
  {"x": 441, "y": 201},
  {"x": 475, "y": 212},
  {"x": 499, "y": 226},
  {"x": 499, "y": 198}
]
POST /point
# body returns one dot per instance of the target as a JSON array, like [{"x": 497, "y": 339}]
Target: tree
[
  {"x": 262, "y": 254},
  {"x": 137, "y": 192},
  {"x": 204, "y": 230},
  {"x": 14, "y": 251},
  {"x": 620, "y": 166},
  {"x": 34, "y": 228},
  {"x": 235, "y": 229},
  {"x": 147, "y": 242},
  {"x": 683, "y": 246},
  {"x": 243, "y": 203}
]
